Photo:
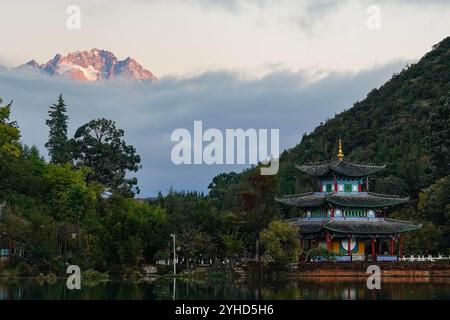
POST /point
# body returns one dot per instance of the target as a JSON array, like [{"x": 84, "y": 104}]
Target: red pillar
[
  {"x": 373, "y": 249},
  {"x": 392, "y": 247},
  {"x": 348, "y": 247},
  {"x": 401, "y": 245}
]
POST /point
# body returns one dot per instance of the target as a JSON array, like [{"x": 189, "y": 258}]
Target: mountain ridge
[{"x": 91, "y": 66}]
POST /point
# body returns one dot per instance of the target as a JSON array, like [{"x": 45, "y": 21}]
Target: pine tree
[
  {"x": 57, "y": 145},
  {"x": 9, "y": 133}
]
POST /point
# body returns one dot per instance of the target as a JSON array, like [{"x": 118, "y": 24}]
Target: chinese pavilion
[{"x": 344, "y": 216}]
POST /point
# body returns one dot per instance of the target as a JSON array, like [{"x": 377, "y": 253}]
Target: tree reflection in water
[{"x": 318, "y": 288}]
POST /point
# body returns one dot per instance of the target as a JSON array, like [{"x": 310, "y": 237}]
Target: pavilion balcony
[
  {"x": 326, "y": 219},
  {"x": 358, "y": 257},
  {"x": 353, "y": 257}
]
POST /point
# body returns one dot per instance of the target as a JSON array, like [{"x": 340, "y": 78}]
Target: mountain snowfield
[{"x": 91, "y": 66}]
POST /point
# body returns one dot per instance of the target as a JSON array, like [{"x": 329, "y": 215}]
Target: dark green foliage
[
  {"x": 99, "y": 145},
  {"x": 439, "y": 140},
  {"x": 434, "y": 207},
  {"x": 52, "y": 214},
  {"x": 234, "y": 245},
  {"x": 223, "y": 190},
  {"x": 131, "y": 231},
  {"x": 281, "y": 242},
  {"x": 57, "y": 144},
  {"x": 428, "y": 240},
  {"x": 195, "y": 243},
  {"x": 190, "y": 215},
  {"x": 9, "y": 133},
  {"x": 321, "y": 252}
]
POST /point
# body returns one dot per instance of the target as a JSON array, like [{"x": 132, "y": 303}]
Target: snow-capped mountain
[{"x": 92, "y": 65}]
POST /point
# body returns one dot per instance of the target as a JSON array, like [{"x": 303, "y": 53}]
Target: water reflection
[
  {"x": 174, "y": 294},
  {"x": 320, "y": 288}
]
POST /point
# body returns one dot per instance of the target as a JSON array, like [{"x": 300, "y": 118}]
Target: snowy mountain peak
[{"x": 92, "y": 65}]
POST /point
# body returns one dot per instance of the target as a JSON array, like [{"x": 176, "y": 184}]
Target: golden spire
[{"x": 340, "y": 154}]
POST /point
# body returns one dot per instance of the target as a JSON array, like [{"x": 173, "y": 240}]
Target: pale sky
[{"x": 185, "y": 37}]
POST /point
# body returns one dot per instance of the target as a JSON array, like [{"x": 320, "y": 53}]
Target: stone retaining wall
[
  {"x": 384, "y": 273},
  {"x": 388, "y": 269}
]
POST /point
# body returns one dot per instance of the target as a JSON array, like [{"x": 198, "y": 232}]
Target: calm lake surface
[{"x": 318, "y": 288}]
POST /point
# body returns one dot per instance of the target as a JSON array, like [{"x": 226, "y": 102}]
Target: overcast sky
[
  {"x": 192, "y": 36},
  {"x": 232, "y": 64}
]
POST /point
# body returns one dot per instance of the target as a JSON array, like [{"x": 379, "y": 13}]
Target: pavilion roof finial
[{"x": 340, "y": 154}]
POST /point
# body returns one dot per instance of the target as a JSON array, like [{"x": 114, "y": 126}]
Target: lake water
[{"x": 317, "y": 288}]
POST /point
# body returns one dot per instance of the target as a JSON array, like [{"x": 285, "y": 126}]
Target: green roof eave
[
  {"x": 343, "y": 167},
  {"x": 387, "y": 226},
  {"x": 366, "y": 227},
  {"x": 366, "y": 200}
]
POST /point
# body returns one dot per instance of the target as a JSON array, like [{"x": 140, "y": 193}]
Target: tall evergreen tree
[
  {"x": 9, "y": 133},
  {"x": 57, "y": 145}
]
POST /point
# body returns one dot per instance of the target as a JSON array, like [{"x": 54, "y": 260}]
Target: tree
[
  {"x": 427, "y": 240},
  {"x": 132, "y": 231},
  {"x": 223, "y": 190},
  {"x": 439, "y": 140},
  {"x": 99, "y": 145},
  {"x": 281, "y": 242},
  {"x": 9, "y": 133},
  {"x": 57, "y": 144},
  {"x": 22, "y": 176},
  {"x": 233, "y": 244},
  {"x": 392, "y": 185},
  {"x": 258, "y": 205},
  {"x": 67, "y": 194},
  {"x": 195, "y": 244},
  {"x": 434, "y": 206}
]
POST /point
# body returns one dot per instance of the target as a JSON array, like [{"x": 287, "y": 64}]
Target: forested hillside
[{"x": 404, "y": 124}]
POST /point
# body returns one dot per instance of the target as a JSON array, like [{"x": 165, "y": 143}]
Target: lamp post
[{"x": 174, "y": 255}]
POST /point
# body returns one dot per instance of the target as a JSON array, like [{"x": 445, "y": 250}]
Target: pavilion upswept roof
[
  {"x": 362, "y": 200},
  {"x": 357, "y": 226},
  {"x": 346, "y": 168}
]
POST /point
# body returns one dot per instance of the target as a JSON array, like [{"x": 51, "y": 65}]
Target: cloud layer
[
  {"x": 289, "y": 101},
  {"x": 193, "y": 36}
]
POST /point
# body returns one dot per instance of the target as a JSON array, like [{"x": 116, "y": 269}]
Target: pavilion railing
[{"x": 423, "y": 258}]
